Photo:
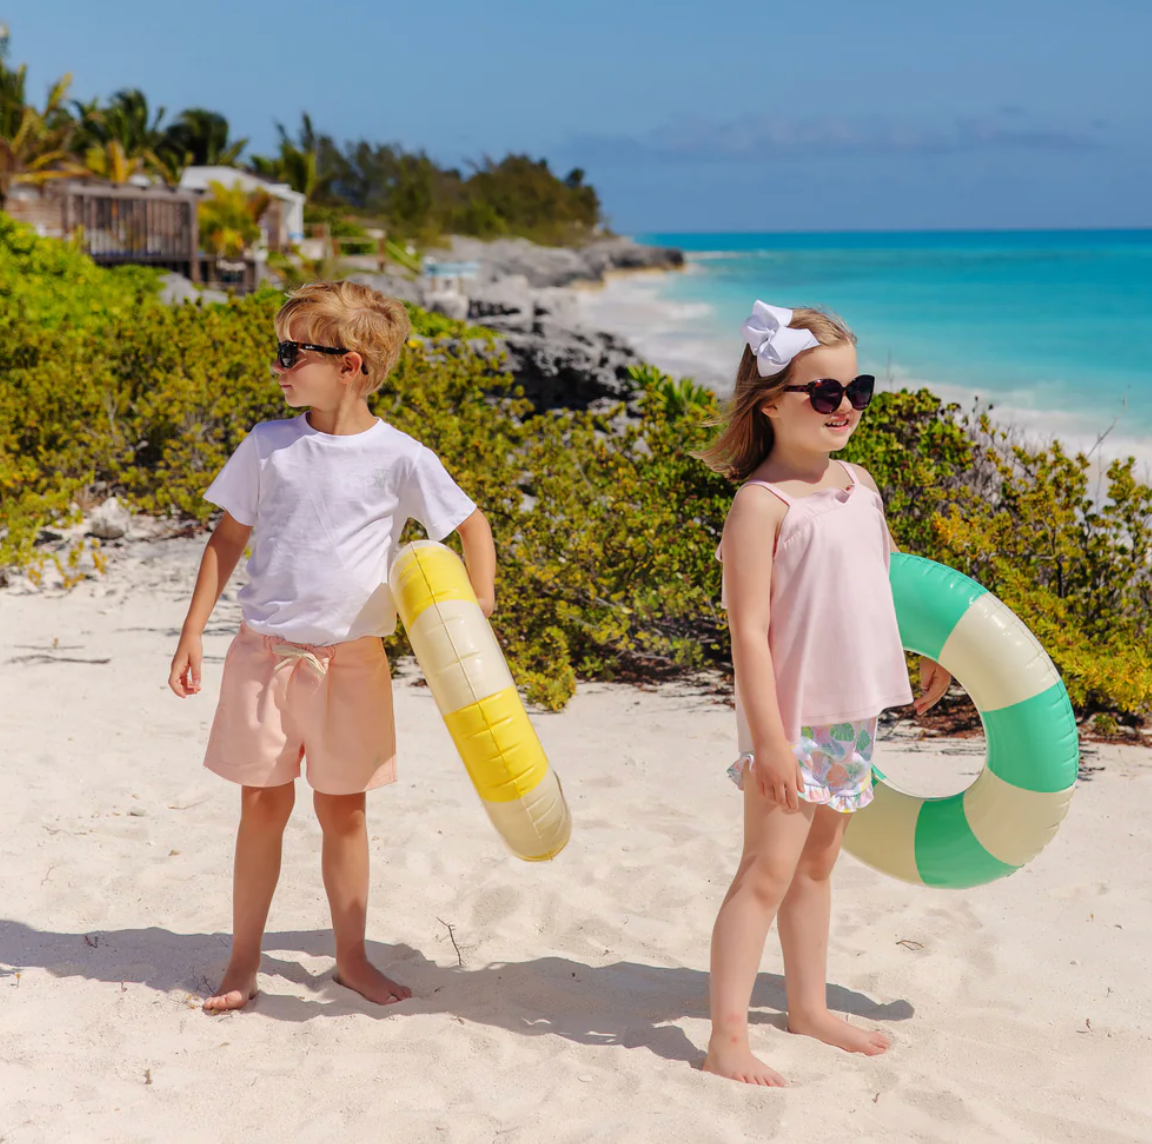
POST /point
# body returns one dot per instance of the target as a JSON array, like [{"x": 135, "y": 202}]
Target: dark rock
[
  {"x": 559, "y": 367},
  {"x": 623, "y": 254},
  {"x": 544, "y": 266}
]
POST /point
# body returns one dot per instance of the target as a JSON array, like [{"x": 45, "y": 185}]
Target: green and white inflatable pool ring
[{"x": 1012, "y": 810}]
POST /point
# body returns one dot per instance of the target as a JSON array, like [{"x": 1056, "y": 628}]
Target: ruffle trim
[{"x": 810, "y": 792}]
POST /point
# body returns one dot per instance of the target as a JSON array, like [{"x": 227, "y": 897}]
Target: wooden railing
[{"x": 127, "y": 224}]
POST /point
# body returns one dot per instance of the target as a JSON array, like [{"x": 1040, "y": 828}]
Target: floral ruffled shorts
[{"x": 835, "y": 763}]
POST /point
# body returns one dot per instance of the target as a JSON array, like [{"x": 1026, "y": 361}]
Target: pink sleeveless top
[{"x": 833, "y": 635}]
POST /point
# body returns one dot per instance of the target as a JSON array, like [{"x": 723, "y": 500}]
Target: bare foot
[
  {"x": 362, "y": 977},
  {"x": 736, "y": 1062},
  {"x": 832, "y": 1030},
  {"x": 236, "y": 990}
]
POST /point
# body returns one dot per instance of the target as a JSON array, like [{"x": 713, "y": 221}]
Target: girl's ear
[{"x": 769, "y": 408}]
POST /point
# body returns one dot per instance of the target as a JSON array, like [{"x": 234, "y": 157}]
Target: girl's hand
[
  {"x": 934, "y": 682},
  {"x": 777, "y": 774},
  {"x": 184, "y": 678},
  {"x": 487, "y": 605}
]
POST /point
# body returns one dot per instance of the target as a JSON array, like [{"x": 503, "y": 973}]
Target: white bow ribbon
[{"x": 772, "y": 340}]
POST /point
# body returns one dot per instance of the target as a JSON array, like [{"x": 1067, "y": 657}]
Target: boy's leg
[
  {"x": 773, "y": 840},
  {"x": 805, "y": 916},
  {"x": 345, "y": 867},
  {"x": 264, "y": 812}
]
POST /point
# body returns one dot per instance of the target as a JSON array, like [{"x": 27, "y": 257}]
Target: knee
[
  {"x": 765, "y": 883},
  {"x": 817, "y": 866},
  {"x": 268, "y": 808},
  {"x": 339, "y": 813}
]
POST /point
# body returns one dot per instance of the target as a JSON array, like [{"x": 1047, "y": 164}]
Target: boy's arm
[
  {"x": 224, "y": 550},
  {"x": 480, "y": 559}
]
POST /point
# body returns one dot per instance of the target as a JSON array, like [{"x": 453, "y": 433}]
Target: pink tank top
[{"x": 833, "y": 635}]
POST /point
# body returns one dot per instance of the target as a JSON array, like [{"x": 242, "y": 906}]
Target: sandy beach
[{"x": 564, "y": 1002}]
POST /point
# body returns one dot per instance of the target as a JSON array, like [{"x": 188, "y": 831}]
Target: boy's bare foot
[
  {"x": 738, "y": 1063},
  {"x": 236, "y": 990},
  {"x": 362, "y": 977},
  {"x": 832, "y": 1030}
]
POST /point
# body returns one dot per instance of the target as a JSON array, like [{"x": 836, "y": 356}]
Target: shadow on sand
[{"x": 623, "y": 1004}]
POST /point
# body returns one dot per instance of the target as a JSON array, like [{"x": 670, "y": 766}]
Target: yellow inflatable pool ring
[{"x": 473, "y": 688}]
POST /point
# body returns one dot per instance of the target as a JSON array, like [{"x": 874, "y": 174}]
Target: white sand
[{"x": 1019, "y": 1011}]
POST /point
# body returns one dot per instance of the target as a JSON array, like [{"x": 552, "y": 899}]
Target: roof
[{"x": 198, "y": 179}]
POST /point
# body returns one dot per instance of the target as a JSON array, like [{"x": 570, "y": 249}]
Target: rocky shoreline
[{"x": 528, "y": 295}]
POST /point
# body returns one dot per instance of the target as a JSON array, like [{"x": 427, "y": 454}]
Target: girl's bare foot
[
  {"x": 362, "y": 977},
  {"x": 236, "y": 990},
  {"x": 736, "y": 1062},
  {"x": 832, "y": 1030}
]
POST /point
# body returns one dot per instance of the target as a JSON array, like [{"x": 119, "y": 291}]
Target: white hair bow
[{"x": 772, "y": 340}]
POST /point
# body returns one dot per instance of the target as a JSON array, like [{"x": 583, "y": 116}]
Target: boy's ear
[{"x": 353, "y": 365}]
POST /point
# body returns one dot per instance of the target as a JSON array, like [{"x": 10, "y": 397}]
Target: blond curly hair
[{"x": 351, "y": 315}]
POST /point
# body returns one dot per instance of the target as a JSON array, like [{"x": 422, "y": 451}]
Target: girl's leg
[
  {"x": 805, "y": 915},
  {"x": 264, "y": 812},
  {"x": 345, "y": 865},
  {"x": 773, "y": 841}
]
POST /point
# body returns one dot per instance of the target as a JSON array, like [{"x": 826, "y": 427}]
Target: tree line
[{"x": 124, "y": 137}]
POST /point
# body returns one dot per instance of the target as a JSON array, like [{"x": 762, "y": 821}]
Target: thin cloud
[{"x": 762, "y": 138}]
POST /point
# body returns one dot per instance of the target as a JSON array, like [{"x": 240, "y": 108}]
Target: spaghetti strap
[
  {"x": 771, "y": 488},
  {"x": 849, "y": 469}
]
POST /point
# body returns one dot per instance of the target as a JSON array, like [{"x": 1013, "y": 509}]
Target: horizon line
[{"x": 1145, "y": 228}]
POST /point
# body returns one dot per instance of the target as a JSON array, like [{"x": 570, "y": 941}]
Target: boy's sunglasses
[
  {"x": 827, "y": 394},
  {"x": 288, "y": 353}
]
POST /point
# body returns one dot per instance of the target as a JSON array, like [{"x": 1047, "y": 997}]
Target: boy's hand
[
  {"x": 934, "y": 682},
  {"x": 184, "y": 678}
]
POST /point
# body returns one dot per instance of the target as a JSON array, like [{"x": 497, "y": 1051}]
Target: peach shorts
[{"x": 283, "y": 702}]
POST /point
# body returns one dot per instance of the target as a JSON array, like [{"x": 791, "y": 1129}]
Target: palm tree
[
  {"x": 113, "y": 163},
  {"x": 230, "y": 219},
  {"x": 204, "y": 137},
  {"x": 33, "y": 143},
  {"x": 297, "y": 164},
  {"x": 121, "y": 139}
]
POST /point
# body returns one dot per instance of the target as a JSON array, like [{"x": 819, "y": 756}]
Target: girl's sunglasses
[
  {"x": 288, "y": 353},
  {"x": 827, "y": 394}
]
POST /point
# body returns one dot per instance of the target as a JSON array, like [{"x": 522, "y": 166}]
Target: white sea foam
[{"x": 682, "y": 337}]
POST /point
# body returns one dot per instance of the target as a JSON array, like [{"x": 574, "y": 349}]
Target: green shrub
[{"x": 606, "y": 526}]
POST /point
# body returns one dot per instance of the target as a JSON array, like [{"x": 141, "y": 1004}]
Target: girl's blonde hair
[
  {"x": 351, "y": 315},
  {"x": 746, "y": 435}
]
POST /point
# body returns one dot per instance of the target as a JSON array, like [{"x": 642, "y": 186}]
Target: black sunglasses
[
  {"x": 827, "y": 394},
  {"x": 287, "y": 353}
]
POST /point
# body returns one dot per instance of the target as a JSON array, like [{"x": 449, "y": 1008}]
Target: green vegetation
[
  {"x": 606, "y": 536},
  {"x": 406, "y": 192}
]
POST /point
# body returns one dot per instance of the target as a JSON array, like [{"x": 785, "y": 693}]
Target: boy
[{"x": 323, "y": 497}]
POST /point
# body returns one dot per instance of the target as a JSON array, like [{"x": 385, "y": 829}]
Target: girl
[{"x": 817, "y": 655}]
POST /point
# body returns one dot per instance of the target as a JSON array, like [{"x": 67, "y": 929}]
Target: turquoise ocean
[{"x": 1055, "y": 327}]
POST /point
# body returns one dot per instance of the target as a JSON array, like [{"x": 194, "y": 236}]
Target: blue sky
[{"x": 715, "y": 115}]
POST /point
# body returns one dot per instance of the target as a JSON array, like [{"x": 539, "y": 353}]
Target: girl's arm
[
  {"x": 749, "y": 540},
  {"x": 480, "y": 559},
  {"x": 224, "y": 549},
  {"x": 934, "y": 679}
]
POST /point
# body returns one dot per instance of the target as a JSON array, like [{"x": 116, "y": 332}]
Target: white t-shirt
[{"x": 327, "y": 512}]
